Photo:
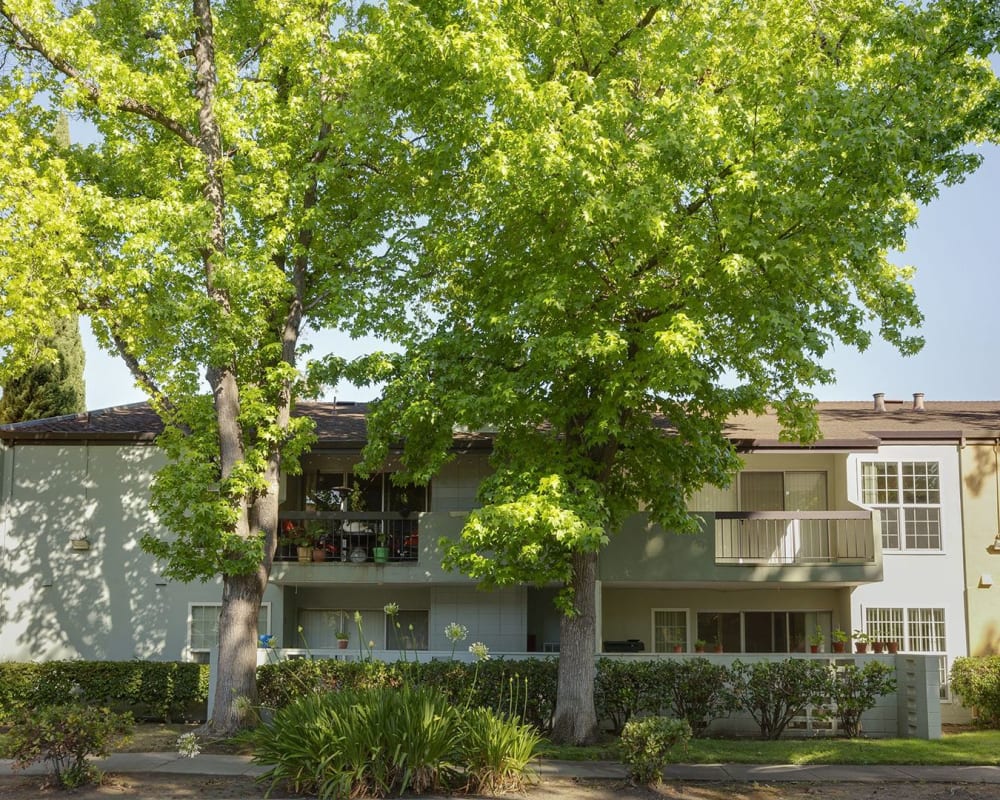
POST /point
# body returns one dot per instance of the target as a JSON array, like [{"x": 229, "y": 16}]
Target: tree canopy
[
  {"x": 234, "y": 195},
  {"x": 643, "y": 219}
]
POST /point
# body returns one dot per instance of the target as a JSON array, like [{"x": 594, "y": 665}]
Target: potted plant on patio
[
  {"x": 839, "y": 640},
  {"x": 861, "y": 640},
  {"x": 342, "y": 639},
  {"x": 816, "y": 640},
  {"x": 699, "y": 645},
  {"x": 892, "y": 646}
]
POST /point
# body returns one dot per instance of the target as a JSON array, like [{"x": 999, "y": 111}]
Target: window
[
  {"x": 763, "y": 631},
  {"x": 669, "y": 629},
  {"x": 406, "y": 631},
  {"x": 203, "y": 628},
  {"x": 344, "y": 491},
  {"x": 908, "y": 495},
  {"x": 918, "y": 630}
]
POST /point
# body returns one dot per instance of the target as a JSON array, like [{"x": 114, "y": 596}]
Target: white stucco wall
[{"x": 921, "y": 579}]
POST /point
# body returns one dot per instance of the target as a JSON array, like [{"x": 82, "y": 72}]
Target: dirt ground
[{"x": 160, "y": 786}]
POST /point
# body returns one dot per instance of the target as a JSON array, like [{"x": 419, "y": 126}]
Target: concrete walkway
[{"x": 208, "y": 764}]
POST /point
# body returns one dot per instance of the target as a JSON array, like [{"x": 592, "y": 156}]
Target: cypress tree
[{"x": 51, "y": 388}]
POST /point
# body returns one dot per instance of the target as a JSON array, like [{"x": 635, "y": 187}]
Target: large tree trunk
[
  {"x": 575, "y": 720},
  {"x": 236, "y": 666}
]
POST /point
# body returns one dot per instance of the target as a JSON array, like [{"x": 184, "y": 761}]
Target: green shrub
[
  {"x": 495, "y": 751},
  {"x": 773, "y": 692},
  {"x": 646, "y": 744},
  {"x": 65, "y": 736},
  {"x": 857, "y": 690},
  {"x": 694, "y": 689},
  {"x": 148, "y": 689},
  {"x": 977, "y": 681},
  {"x": 623, "y": 689}
]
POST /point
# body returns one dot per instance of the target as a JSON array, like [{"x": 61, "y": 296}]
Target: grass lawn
[
  {"x": 971, "y": 747},
  {"x": 953, "y": 749}
]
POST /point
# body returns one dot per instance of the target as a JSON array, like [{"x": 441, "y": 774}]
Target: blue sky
[{"x": 955, "y": 250}]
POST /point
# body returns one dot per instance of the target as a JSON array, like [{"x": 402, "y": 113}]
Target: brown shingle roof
[{"x": 844, "y": 425}]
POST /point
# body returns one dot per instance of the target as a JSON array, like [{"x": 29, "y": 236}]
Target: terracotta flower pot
[
  {"x": 861, "y": 647},
  {"x": 814, "y": 648},
  {"x": 678, "y": 648},
  {"x": 342, "y": 644},
  {"x": 893, "y": 647},
  {"x": 838, "y": 647},
  {"x": 877, "y": 647}
]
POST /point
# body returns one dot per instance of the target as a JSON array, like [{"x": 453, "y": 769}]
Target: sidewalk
[{"x": 208, "y": 764}]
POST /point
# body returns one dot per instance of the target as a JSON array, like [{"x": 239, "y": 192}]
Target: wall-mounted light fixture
[
  {"x": 985, "y": 580},
  {"x": 995, "y": 547}
]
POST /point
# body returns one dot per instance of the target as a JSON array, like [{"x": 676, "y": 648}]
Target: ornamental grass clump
[
  {"x": 388, "y": 741},
  {"x": 646, "y": 744},
  {"x": 496, "y": 752},
  {"x": 65, "y": 737}
]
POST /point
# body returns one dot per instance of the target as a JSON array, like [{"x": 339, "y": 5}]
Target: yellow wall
[{"x": 982, "y": 523}]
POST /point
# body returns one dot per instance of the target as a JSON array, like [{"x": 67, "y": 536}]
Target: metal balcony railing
[
  {"x": 348, "y": 537},
  {"x": 796, "y": 537}
]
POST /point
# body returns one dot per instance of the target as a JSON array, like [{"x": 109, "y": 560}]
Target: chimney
[
  {"x": 879, "y": 402},
  {"x": 918, "y": 401}
]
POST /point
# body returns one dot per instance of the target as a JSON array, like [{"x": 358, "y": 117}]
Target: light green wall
[{"x": 108, "y": 602}]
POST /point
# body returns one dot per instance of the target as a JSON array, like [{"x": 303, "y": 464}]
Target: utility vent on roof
[{"x": 918, "y": 401}]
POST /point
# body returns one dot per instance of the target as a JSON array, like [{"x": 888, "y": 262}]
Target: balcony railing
[
  {"x": 795, "y": 537},
  {"x": 349, "y": 537}
]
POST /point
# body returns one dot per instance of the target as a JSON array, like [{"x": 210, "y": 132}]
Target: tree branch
[{"x": 34, "y": 44}]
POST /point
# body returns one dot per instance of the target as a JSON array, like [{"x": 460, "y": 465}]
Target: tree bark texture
[
  {"x": 237, "y": 661},
  {"x": 575, "y": 720}
]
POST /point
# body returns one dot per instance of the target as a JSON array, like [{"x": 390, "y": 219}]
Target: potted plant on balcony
[
  {"x": 839, "y": 639},
  {"x": 699, "y": 645},
  {"x": 380, "y": 552},
  {"x": 892, "y": 646},
  {"x": 342, "y": 639},
  {"x": 315, "y": 532},
  {"x": 716, "y": 645},
  {"x": 816, "y": 640},
  {"x": 861, "y": 640},
  {"x": 294, "y": 535}
]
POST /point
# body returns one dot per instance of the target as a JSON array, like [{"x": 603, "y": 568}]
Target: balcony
[
  {"x": 342, "y": 546},
  {"x": 794, "y": 537},
  {"x": 738, "y": 549},
  {"x": 348, "y": 537}
]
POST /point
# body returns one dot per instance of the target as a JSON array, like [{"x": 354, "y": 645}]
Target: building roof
[{"x": 845, "y": 425}]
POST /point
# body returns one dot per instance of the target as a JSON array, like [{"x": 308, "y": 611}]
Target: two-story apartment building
[{"x": 888, "y": 524}]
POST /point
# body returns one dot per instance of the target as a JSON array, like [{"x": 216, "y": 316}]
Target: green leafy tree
[
  {"x": 54, "y": 386},
  {"x": 642, "y": 219},
  {"x": 232, "y": 199}
]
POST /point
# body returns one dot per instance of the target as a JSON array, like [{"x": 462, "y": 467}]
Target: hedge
[
  {"x": 525, "y": 688},
  {"x": 164, "y": 690}
]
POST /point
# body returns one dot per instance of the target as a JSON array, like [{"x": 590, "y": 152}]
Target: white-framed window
[
  {"x": 908, "y": 496},
  {"x": 203, "y": 628},
  {"x": 670, "y": 629},
  {"x": 917, "y": 630}
]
